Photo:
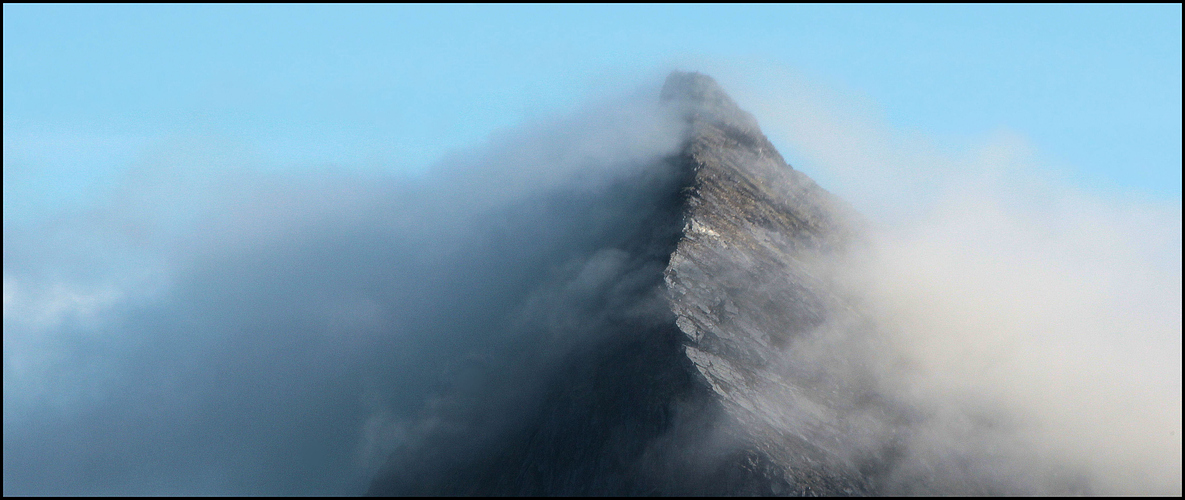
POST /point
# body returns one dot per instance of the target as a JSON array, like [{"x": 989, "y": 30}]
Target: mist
[
  {"x": 217, "y": 326},
  {"x": 1034, "y": 325}
]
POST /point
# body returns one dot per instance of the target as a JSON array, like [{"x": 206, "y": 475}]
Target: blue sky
[{"x": 90, "y": 90}]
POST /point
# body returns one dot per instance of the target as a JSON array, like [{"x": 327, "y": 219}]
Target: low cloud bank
[{"x": 215, "y": 327}]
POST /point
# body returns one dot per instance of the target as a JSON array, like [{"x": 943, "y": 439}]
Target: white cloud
[{"x": 1005, "y": 285}]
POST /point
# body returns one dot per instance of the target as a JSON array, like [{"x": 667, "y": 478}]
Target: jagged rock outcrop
[
  {"x": 686, "y": 301},
  {"x": 743, "y": 283}
]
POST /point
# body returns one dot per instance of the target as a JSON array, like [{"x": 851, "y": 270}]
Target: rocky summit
[
  {"x": 658, "y": 365},
  {"x": 672, "y": 394}
]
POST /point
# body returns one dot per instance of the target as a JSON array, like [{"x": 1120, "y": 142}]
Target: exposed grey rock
[
  {"x": 667, "y": 397},
  {"x": 741, "y": 284},
  {"x": 653, "y": 360}
]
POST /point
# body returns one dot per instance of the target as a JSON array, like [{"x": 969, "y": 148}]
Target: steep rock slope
[
  {"x": 746, "y": 279},
  {"x": 683, "y": 307}
]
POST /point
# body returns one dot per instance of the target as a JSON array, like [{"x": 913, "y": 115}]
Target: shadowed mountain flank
[
  {"x": 654, "y": 355},
  {"x": 698, "y": 284}
]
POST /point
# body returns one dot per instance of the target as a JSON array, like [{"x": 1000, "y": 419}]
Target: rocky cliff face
[
  {"x": 745, "y": 281},
  {"x": 685, "y": 300}
]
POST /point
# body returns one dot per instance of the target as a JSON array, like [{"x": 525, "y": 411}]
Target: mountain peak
[
  {"x": 702, "y": 102},
  {"x": 695, "y": 87},
  {"x": 656, "y": 381}
]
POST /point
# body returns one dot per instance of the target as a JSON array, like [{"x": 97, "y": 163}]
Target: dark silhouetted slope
[{"x": 653, "y": 365}]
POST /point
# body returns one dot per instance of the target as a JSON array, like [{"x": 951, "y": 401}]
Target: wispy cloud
[
  {"x": 1004, "y": 287},
  {"x": 215, "y": 326}
]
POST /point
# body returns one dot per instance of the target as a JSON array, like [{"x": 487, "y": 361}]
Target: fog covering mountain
[
  {"x": 674, "y": 348},
  {"x": 639, "y": 298}
]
